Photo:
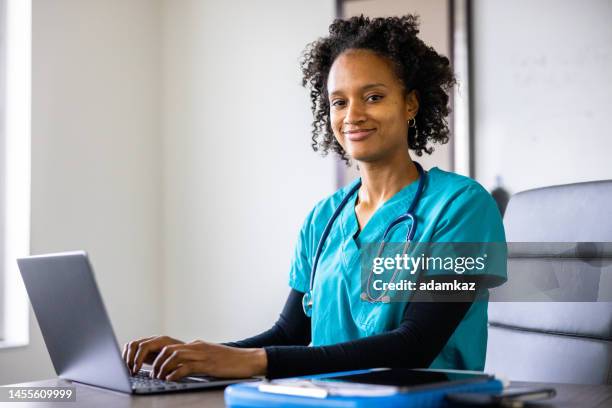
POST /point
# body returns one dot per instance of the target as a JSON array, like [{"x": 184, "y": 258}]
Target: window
[{"x": 15, "y": 50}]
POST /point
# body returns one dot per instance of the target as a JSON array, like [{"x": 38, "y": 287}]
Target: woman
[{"x": 377, "y": 91}]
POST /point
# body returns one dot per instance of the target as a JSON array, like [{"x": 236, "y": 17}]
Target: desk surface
[{"x": 568, "y": 395}]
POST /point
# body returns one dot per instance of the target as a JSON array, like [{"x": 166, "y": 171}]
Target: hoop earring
[{"x": 414, "y": 125}]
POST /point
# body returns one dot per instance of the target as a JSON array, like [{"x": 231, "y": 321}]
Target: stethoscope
[{"x": 407, "y": 216}]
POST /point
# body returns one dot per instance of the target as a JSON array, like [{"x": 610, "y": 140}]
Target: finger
[
  {"x": 144, "y": 349},
  {"x": 177, "y": 358},
  {"x": 163, "y": 355},
  {"x": 183, "y": 370},
  {"x": 131, "y": 348}
]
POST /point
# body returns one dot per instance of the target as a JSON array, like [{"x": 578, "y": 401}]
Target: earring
[{"x": 412, "y": 123}]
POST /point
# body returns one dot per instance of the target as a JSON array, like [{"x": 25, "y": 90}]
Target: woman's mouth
[{"x": 358, "y": 134}]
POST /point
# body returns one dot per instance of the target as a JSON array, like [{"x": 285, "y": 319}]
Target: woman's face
[{"x": 369, "y": 111}]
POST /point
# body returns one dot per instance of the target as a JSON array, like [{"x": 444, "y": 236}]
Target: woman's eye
[
  {"x": 374, "y": 98},
  {"x": 338, "y": 102}
]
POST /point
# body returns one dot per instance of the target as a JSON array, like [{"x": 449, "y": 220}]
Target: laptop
[{"x": 78, "y": 332}]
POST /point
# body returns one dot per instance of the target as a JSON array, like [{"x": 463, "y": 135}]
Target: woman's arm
[
  {"x": 236, "y": 359},
  {"x": 291, "y": 328},
  {"x": 423, "y": 332}
]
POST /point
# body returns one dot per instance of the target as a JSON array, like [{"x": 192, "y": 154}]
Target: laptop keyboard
[{"x": 143, "y": 381}]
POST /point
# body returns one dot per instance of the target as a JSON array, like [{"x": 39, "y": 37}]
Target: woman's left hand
[{"x": 198, "y": 357}]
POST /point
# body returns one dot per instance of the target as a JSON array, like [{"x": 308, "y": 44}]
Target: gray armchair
[{"x": 557, "y": 341}]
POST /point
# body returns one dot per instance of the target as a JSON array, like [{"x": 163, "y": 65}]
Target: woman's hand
[
  {"x": 175, "y": 361},
  {"x": 137, "y": 352}
]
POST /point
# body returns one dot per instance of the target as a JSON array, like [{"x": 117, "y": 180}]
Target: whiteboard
[{"x": 542, "y": 77}]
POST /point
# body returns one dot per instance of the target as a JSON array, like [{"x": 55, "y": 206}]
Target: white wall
[
  {"x": 95, "y": 158},
  {"x": 171, "y": 139},
  {"x": 240, "y": 175},
  {"x": 542, "y": 103}
]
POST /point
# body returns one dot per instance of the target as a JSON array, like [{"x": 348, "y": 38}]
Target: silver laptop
[{"x": 78, "y": 332}]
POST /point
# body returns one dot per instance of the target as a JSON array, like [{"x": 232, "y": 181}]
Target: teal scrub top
[{"x": 452, "y": 208}]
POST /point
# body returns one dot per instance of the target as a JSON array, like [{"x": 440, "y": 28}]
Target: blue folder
[{"x": 247, "y": 395}]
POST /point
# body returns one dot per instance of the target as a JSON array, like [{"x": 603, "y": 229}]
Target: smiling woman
[
  {"x": 411, "y": 67},
  {"x": 377, "y": 91},
  {"x": 359, "y": 109}
]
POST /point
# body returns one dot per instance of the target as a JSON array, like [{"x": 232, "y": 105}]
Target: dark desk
[{"x": 568, "y": 395}]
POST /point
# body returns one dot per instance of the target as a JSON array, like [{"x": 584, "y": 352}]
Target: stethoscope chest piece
[{"x": 307, "y": 303}]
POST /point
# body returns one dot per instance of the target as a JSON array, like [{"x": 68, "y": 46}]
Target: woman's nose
[{"x": 355, "y": 113}]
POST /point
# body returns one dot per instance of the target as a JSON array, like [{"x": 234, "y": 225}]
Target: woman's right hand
[{"x": 138, "y": 352}]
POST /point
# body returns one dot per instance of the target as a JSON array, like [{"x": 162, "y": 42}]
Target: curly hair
[{"x": 418, "y": 66}]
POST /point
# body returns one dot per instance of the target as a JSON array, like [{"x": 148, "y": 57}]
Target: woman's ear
[{"x": 412, "y": 104}]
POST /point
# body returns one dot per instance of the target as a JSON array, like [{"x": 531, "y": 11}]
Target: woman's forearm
[
  {"x": 426, "y": 328},
  {"x": 291, "y": 328}
]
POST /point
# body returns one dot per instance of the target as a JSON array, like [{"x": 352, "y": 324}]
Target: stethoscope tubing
[{"x": 407, "y": 216}]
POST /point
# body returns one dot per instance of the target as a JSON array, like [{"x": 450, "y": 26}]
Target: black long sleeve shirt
[{"x": 423, "y": 332}]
